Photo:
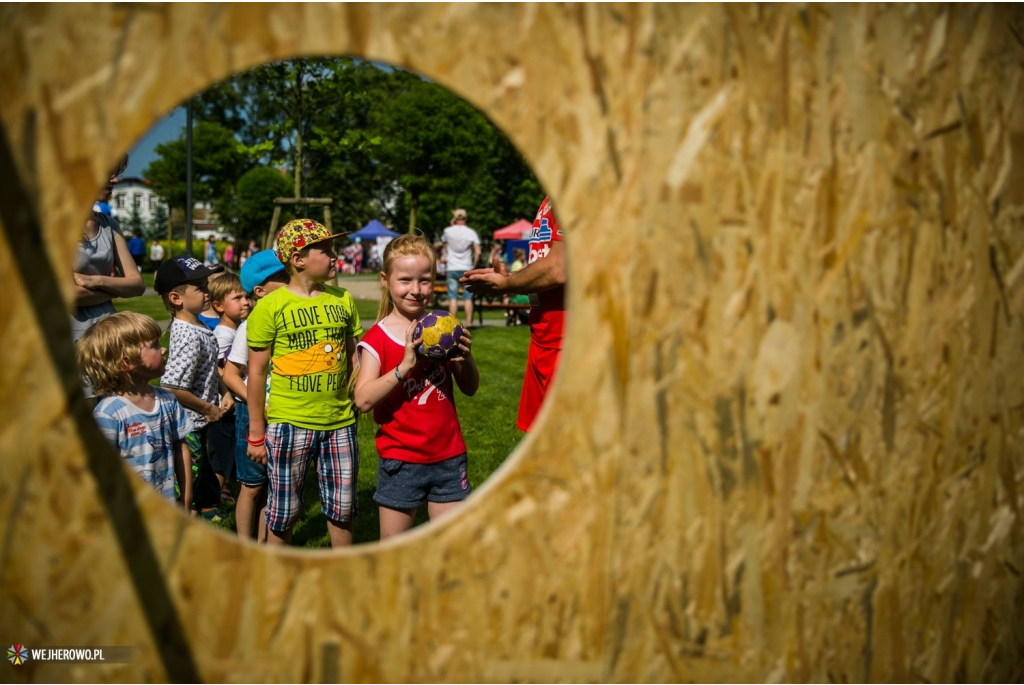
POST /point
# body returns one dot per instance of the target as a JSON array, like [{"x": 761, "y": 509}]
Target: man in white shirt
[{"x": 463, "y": 250}]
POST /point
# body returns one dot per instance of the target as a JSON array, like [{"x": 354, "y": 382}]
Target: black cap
[{"x": 178, "y": 270}]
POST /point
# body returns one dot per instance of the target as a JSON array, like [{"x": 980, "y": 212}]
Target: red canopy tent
[{"x": 520, "y": 230}]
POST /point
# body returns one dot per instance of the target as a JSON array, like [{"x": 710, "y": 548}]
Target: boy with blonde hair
[
  {"x": 191, "y": 372},
  {"x": 120, "y": 355},
  {"x": 262, "y": 274},
  {"x": 229, "y": 300},
  {"x": 309, "y": 333}
]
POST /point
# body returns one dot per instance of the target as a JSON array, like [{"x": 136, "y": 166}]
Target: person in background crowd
[
  {"x": 156, "y": 255},
  {"x": 137, "y": 249},
  {"x": 462, "y": 251},
  {"x": 211, "y": 252},
  {"x": 102, "y": 251},
  {"x": 229, "y": 256}
]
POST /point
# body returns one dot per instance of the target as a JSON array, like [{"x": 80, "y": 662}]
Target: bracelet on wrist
[
  {"x": 399, "y": 376},
  {"x": 255, "y": 443}
]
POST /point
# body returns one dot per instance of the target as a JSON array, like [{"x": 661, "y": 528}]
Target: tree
[
  {"x": 256, "y": 192},
  {"x": 271, "y": 110},
  {"x": 432, "y": 141},
  {"x": 157, "y": 226},
  {"x": 383, "y": 143},
  {"x": 344, "y": 146},
  {"x": 217, "y": 163},
  {"x": 133, "y": 223},
  {"x": 504, "y": 189}
]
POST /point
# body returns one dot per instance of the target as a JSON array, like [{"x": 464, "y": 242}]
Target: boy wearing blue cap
[{"x": 262, "y": 274}]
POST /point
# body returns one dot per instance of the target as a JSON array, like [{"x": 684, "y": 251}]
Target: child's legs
[
  {"x": 395, "y": 521},
  {"x": 289, "y": 450},
  {"x": 401, "y": 489},
  {"x": 261, "y": 517},
  {"x": 252, "y": 496},
  {"x": 436, "y": 510},
  {"x": 205, "y": 492},
  {"x": 340, "y": 533},
  {"x": 222, "y": 441},
  {"x": 451, "y": 280},
  {"x": 448, "y": 485},
  {"x": 337, "y": 471},
  {"x": 245, "y": 509}
]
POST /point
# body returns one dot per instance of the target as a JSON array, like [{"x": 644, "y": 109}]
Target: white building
[{"x": 134, "y": 192}]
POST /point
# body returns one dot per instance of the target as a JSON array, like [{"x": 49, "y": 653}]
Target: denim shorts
[
  {"x": 452, "y": 279},
  {"x": 247, "y": 471},
  {"x": 407, "y": 485}
]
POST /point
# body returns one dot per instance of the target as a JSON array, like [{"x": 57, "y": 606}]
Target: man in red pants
[{"x": 543, "y": 279}]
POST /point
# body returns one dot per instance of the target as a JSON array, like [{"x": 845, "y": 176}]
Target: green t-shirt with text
[{"x": 309, "y": 367}]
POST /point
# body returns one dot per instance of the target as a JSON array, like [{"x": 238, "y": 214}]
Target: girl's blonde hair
[
  {"x": 110, "y": 350},
  {"x": 403, "y": 246}
]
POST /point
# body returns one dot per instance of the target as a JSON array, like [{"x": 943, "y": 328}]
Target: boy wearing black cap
[{"x": 191, "y": 372}]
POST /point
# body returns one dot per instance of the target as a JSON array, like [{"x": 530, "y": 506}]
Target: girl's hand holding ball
[
  {"x": 465, "y": 345},
  {"x": 410, "y": 360}
]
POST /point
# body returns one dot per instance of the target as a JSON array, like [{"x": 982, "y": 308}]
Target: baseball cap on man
[
  {"x": 179, "y": 270},
  {"x": 300, "y": 234},
  {"x": 459, "y": 214},
  {"x": 259, "y": 268}
]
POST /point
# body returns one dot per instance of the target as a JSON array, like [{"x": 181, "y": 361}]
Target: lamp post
[{"x": 188, "y": 178}]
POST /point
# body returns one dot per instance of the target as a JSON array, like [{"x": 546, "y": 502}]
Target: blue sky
[{"x": 168, "y": 128}]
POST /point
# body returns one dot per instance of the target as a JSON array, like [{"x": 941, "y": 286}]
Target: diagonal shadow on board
[{"x": 20, "y": 224}]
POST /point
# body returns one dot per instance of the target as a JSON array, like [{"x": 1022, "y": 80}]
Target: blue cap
[{"x": 259, "y": 268}]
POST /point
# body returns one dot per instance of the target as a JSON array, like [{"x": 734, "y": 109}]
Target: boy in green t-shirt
[{"x": 309, "y": 333}]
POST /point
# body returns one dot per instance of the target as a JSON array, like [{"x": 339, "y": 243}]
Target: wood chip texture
[{"x": 785, "y": 442}]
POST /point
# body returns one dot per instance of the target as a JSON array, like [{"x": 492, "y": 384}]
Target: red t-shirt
[
  {"x": 546, "y": 318},
  {"x": 417, "y": 420}
]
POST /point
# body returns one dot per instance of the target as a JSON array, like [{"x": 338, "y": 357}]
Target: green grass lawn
[
  {"x": 487, "y": 420},
  {"x": 150, "y": 305}
]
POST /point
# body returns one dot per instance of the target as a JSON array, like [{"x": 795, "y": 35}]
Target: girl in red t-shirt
[{"x": 422, "y": 453}]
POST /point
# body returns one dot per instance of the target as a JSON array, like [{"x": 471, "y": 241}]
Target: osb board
[{"x": 786, "y": 438}]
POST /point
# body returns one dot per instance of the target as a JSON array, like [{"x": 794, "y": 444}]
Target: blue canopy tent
[
  {"x": 374, "y": 229},
  {"x": 374, "y": 232}
]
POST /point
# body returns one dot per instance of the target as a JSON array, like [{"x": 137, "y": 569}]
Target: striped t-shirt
[{"x": 145, "y": 439}]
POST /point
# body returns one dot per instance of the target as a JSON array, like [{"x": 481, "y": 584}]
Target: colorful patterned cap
[{"x": 299, "y": 234}]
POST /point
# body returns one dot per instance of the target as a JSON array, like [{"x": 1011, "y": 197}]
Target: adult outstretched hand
[{"x": 486, "y": 282}]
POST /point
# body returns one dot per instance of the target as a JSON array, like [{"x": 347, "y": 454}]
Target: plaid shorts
[{"x": 289, "y": 450}]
